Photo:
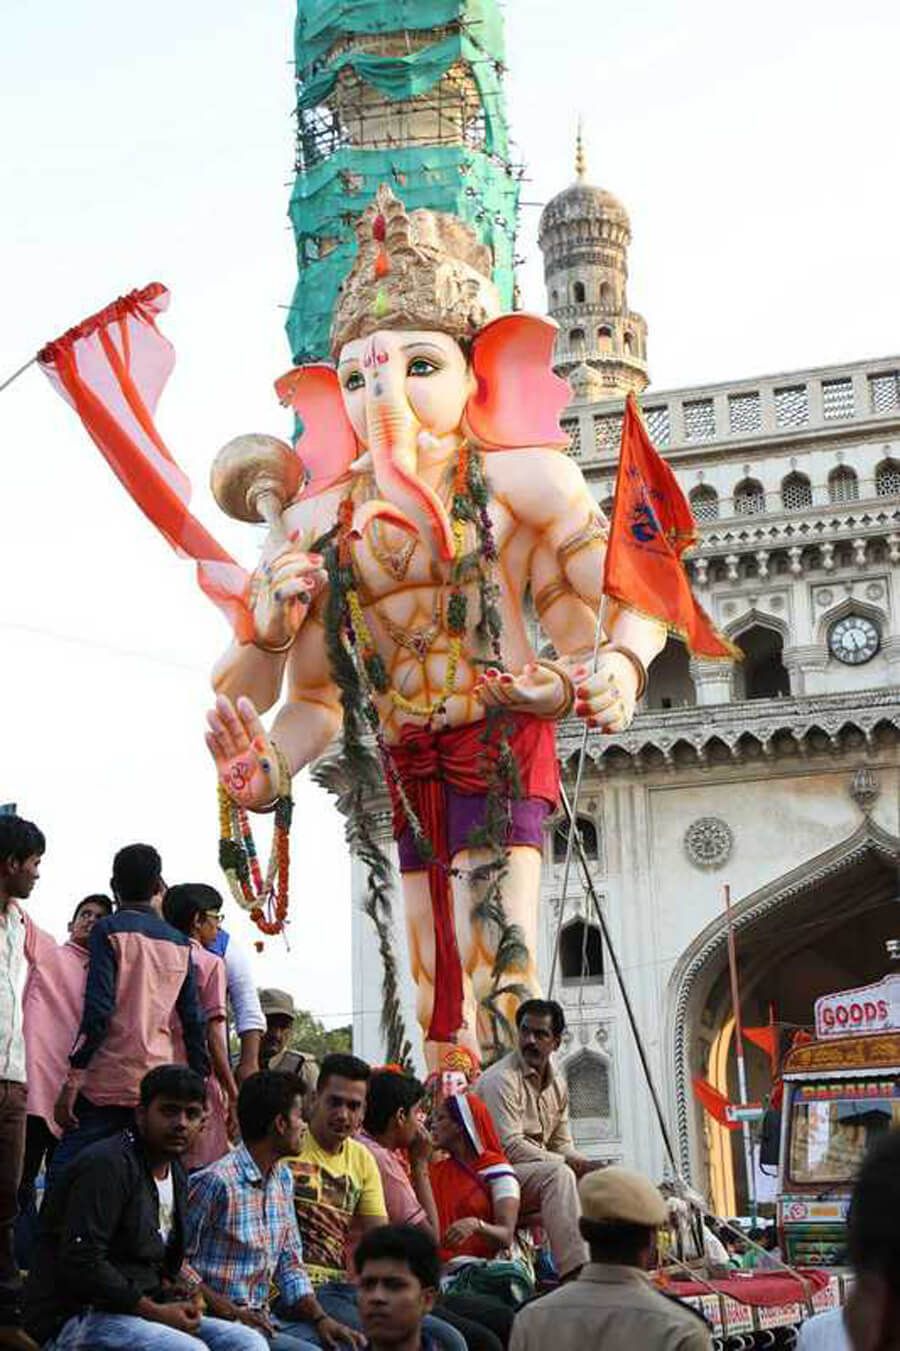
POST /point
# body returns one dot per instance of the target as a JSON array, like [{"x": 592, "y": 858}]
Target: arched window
[
  {"x": 604, "y": 338},
  {"x": 606, "y": 296},
  {"x": 749, "y": 498},
  {"x": 587, "y": 1079},
  {"x": 887, "y": 479},
  {"x": 704, "y": 503},
  {"x": 588, "y": 832},
  {"x": 669, "y": 682},
  {"x": 554, "y": 298},
  {"x": 843, "y": 484},
  {"x": 796, "y": 492},
  {"x": 580, "y": 953},
  {"x": 629, "y": 343},
  {"x": 576, "y": 337},
  {"x": 762, "y": 674},
  {"x": 578, "y": 292}
]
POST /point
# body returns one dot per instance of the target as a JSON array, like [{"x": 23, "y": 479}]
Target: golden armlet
[
  {"x": 568, "y": 698},
  {"x": 636, "y": 662},
  {"x": 582, "y": 539},
  {"x": 550, "y": 594}
]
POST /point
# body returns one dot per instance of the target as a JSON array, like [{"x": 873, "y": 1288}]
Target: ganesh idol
[{"x": 433, "y": 497}]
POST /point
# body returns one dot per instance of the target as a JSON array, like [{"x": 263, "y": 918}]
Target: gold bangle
[
  {"x": 276, "y": 651},
  {"x": 636, "y": 662},
  {"x": 283, "y": 786},
  {"x": 568, "y": 699}
]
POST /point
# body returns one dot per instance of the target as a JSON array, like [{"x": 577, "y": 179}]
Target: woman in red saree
[{"x": 475, "y": 1189}]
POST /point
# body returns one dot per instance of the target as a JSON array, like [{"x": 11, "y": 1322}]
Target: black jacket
[{"x": 98, "y": 1244}]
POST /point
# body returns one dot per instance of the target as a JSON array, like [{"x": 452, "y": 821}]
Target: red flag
[
  {"x": 714, "y": 1102},
  {"x": 651, "y": 527},
  {"x": 112, "y": 369},
  {"x": 765, "y": 1038}
]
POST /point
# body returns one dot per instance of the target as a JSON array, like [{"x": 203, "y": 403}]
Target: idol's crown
[{"x": 418, "y": 269}]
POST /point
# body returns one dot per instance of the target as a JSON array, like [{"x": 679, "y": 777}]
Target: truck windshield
[{"x": 832, "y": 1125}]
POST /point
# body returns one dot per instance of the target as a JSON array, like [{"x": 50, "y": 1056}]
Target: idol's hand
[
  {"x": 606, "y": 698},
  {"x": 537, "y": 690},
  {"x": 245, "y": 760},
  {"x": 281, "y": 592}
]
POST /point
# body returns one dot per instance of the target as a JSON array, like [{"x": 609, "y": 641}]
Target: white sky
[{"x": 755, "y": 150}]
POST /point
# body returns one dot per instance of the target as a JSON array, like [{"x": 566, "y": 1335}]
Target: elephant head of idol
[{"x": 421, "y": 354}]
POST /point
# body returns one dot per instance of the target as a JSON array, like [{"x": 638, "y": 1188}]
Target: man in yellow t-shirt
[{"x": 337, "y": 1186}]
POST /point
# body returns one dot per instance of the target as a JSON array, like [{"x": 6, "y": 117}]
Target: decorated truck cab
[{"x": 840, "y": 1091}]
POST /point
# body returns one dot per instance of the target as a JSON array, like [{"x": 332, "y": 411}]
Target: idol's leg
[{"x": 520, "y": 895}]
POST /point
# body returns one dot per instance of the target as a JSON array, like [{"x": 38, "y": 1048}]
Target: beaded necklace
[{"x": 266, "y": 898}]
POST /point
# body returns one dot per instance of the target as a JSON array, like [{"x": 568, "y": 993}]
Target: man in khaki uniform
[
  {"x": 274, "y": 1050},
  {"x": 529, "y": 1102},
  {"x": 612, "y": 1304}
]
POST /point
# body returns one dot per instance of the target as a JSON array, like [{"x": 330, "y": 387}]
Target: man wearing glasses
[{"x": 529, "y": 1102}]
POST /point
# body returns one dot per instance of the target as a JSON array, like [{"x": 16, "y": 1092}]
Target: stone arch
[
  {"x": 588, "y": 1082},
  {"x": 605, "y": 338},
  {"x": 578, "y": 292},
  {"x": 856, "y": 875},
  {"x": 755, "y": 618},
  {"x": 580, "y": 953}
]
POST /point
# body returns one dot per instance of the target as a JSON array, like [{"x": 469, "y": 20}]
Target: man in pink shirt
[
  {"x": 51, "y": 1011},
  {"x": 195, "y": 909}
]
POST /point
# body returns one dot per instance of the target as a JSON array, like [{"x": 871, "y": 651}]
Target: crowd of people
[{"x": 264, "y": 1200}]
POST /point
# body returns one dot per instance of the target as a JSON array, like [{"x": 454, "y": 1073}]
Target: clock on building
[{"x": 854, "y": 640}]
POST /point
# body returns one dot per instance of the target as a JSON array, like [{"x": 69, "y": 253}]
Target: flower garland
[{"x": 266, "y": 898}]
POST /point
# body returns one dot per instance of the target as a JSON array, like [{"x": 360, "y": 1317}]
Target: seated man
[
  {"x": 395, "y": 1135},
  {"x": 338, "y": 1193},
  {"x": 529, "y": 1102},
  {"x": 612, "y": 1304},
  {"x": 110, "y": 1238},
  {"x": 242, "y": 1235},
  {"x": 399, "y": 1272}
]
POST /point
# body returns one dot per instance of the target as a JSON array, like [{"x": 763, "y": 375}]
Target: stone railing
[
  {"x": 755, "y": 729},
  {"x": 741, "y": 414}
]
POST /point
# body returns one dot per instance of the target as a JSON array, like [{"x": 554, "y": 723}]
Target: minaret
[
  {"x": 384, "y": 96},
  {"x": 584, "y": 235}
]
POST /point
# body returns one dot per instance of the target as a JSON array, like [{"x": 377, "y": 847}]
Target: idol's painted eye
[
  {"x": 421, "y": 366},
  {"x": 355, "y": 380}
]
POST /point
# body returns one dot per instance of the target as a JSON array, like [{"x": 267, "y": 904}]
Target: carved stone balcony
[{"x": 737, "y": 733}]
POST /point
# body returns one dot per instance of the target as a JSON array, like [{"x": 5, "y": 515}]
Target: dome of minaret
[
  {"x": 582, "y": 201},
  {"x": 584, "y": 236}
]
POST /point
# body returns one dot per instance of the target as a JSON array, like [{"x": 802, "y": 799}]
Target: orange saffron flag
[
  {"x": 651, "y": 527},
  {"x": 715, "y": 1102},
  {"x": 765, "y": 1038}
]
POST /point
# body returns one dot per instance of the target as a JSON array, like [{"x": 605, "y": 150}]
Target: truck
[{"x": 841, "y": 1089}]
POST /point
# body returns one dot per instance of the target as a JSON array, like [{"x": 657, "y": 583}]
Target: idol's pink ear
[
  {"x": 327, "y": 444},
  {"x": 518, "y": 400}
]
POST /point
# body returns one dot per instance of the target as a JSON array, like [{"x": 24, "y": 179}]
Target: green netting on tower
[{"x": 408, "y": 93}]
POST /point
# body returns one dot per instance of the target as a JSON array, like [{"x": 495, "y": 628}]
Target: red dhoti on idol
[{"x": 452, "y": 779}]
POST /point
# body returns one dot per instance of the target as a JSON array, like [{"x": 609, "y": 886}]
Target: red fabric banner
[
  {"x": 761, "y": 1290},
  {"x": 714, "y": 1102},
  {"x": 651, "y": 527},
  {"x": 112, "y": 369}
]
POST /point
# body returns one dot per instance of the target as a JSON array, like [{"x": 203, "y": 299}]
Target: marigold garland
[{"x": 266, "y": 898}]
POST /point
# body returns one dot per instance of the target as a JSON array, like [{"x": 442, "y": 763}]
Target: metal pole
[
  {"x": 739, "y": 1050},
  {"x": 610, "y": 948},
  {"x": 15, "y": 375}
]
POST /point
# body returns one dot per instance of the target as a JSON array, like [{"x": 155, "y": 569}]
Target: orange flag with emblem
[{"x": 651, "y": 527}]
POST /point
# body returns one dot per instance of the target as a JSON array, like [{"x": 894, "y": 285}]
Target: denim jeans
[
  {"x": 94, "y": 1123},
  {"x": 338, "y": 1299},
  {"x": 127, "y": 1332}
]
